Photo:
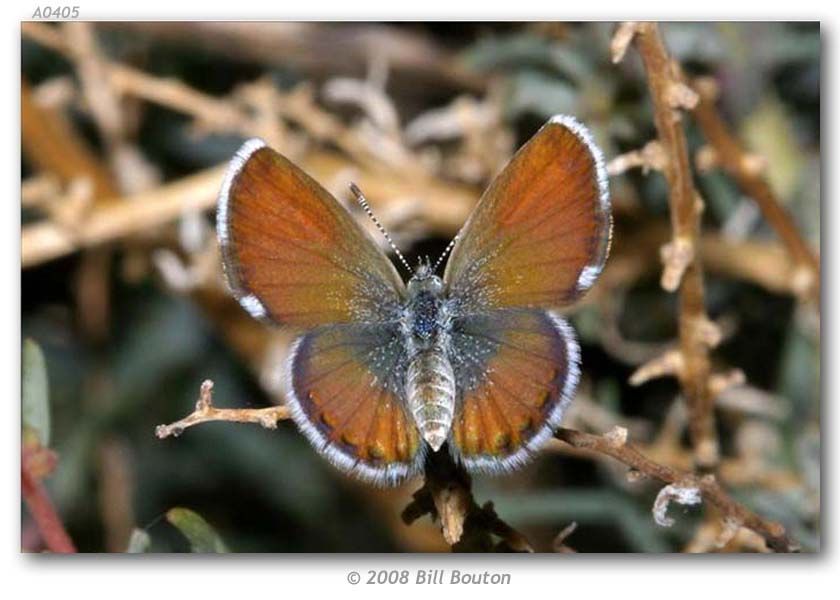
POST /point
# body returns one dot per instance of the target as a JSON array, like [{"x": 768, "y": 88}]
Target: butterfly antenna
[
  {"x": 444, "y": 254},
  {"x": 366, "y": 207}
]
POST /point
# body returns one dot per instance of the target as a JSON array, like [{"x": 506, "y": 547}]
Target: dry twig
[
  {"x": 651, "y": 157},
  {"x": 444, "y": 208},
  {"x": 735, "y": 160},
  {"x": 39, "y": 190},
  {"x": 467, "y": 527},
  {"x": 559, "y": 544},
  {"x": 683, "y": 269},
  {"x": 205, "y": 412},
  {"x": 615, "y": 447}
]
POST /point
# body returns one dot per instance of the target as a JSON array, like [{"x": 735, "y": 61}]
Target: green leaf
[
  {"x": 202, "y": 537},
  {"x": 139, "y": 542},
  {"x": 36, "y": 399}
]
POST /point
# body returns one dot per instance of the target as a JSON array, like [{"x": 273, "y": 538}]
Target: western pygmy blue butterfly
[{"x": 476, "y": 361}]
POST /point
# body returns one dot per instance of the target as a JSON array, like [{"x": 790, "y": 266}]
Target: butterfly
[{"x": 477, "y": 362}]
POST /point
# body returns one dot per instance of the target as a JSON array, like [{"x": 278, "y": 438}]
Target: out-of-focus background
[{"x": 125, "y": 131}]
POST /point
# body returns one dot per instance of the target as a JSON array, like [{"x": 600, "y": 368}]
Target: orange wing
[
  {"x": 346, "y": 397},
  {"x": 292, "y": 254},
  {"x": 540, "y": 233},
  {"x": 516, "y": 372}
]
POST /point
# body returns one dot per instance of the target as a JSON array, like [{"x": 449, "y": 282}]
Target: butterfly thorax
[
  {"x": 430, "y": 380},
  {"x": 424, "y": 322},
  {"x": 425, "y": 311}
]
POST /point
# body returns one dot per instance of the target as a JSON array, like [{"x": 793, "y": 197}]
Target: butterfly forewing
[
  {"x": 292, "y": 254},
  {"x": 540, "y": 233},
  {"x": 516, "y": 371}
]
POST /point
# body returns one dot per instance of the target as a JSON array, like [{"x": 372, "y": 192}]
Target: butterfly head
[{"x": 425, "y": 280}]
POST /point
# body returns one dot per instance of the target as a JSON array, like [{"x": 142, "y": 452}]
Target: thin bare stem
[
  {"x": 205, "y": 412},
  {"x": 559, "y": 544}
]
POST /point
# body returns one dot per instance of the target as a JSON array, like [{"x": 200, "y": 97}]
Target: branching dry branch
[
  {"x": 615, "y": 446},
  {"x": 442, "y": 206},
  {"x": 205, "y": 412},
  {"x": 683, "y": 269}
]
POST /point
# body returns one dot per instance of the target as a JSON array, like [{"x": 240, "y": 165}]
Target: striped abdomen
[{"x": 430, "y": 389}]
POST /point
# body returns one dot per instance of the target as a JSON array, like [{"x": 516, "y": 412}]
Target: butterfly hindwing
[
  {"x": 292, "y": 254},
  {"x": 540, "y": 234},
  {"x": 346, "y": 396},
  {"x": 516, "y": 371}
]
